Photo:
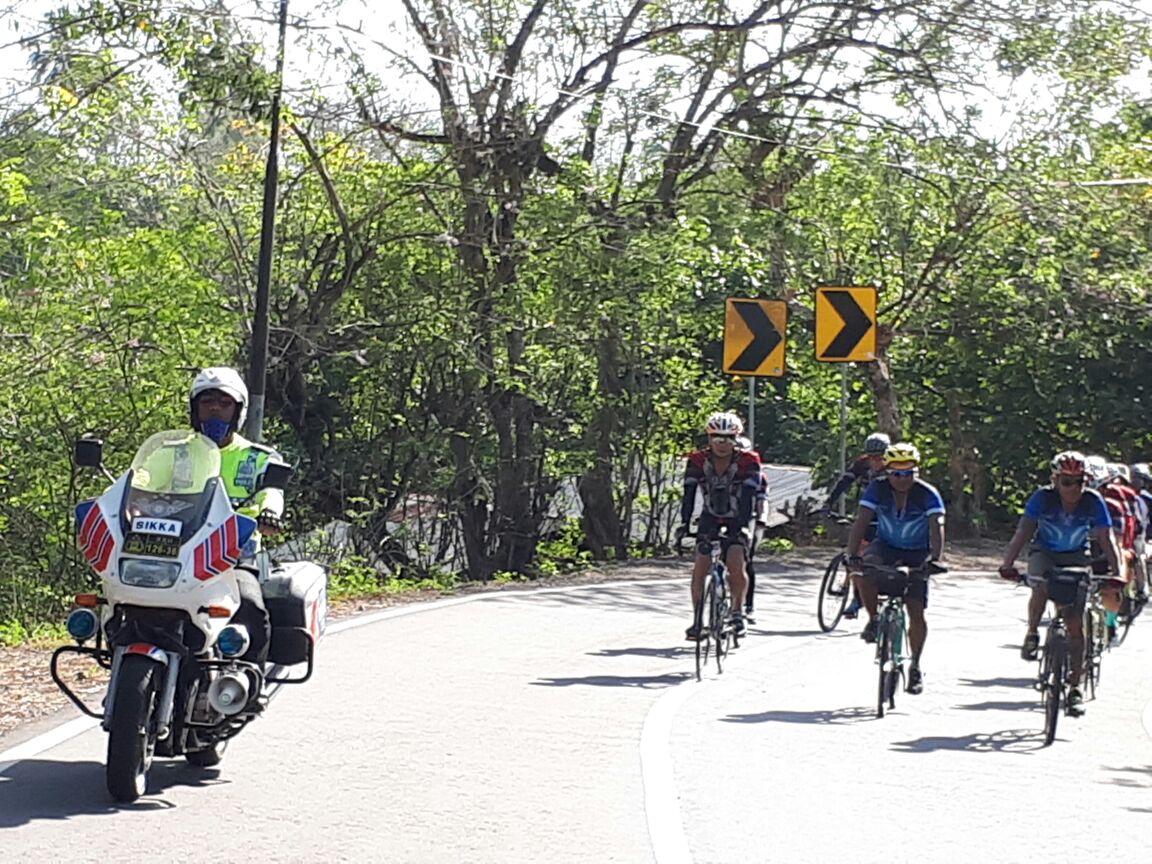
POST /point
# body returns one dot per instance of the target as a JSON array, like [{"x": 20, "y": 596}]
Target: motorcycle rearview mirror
[
  {"x": 89, "y": 452},
  {"x": 275, "y": 476}
]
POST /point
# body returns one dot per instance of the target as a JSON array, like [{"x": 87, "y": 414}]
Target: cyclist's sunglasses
[
  {"x": 901, "y": 472},
  {"x": 723, "y": 439},
  {"x": 1071, "y": 481}
]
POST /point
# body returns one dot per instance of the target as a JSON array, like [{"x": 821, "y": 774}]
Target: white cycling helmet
[
  {"x": 877, "y": 444},
  {"x": 1141, "y": 471},
  {"x": 1096, "y": 470},
  {"x": 1118, "y": 470},
  {"x": 724, "y": 423},
  {"x": 227, "y": 381},
  {"x": 742, "y": 443}
]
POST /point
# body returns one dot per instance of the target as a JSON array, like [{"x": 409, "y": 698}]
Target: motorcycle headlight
[{"x": 149, "y": 574}]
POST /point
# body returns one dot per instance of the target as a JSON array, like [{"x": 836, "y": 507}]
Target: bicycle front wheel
[
  {"x": 884, "y": 661},
  {"x": 835, "y": 589},
  {"x": 703, "y": 634},
  {"x": 720, "y": 628},
  {"x": 1092, "y": 651},
  {"x": 1054, "y": 685}
]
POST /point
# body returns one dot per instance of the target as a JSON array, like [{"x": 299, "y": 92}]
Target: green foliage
[
  {"x": 563, "y": 553},
  {"x": 459, "y": 336},
  {"x": 775, "y": 545}
]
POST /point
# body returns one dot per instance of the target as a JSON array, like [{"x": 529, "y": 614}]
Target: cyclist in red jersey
[
  {"x": 1124, "y": 528},
  {"x": 729, "y": 480}
]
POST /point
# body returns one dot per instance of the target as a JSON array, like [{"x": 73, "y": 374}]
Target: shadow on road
[
  {"x": 36, "y": 789},
  {"x": 833, "y": 717},
  {"x": 1008, "y": 741},
  {"x": 1142, "y": 781},
  {"x": 998, "y": 682},
  {"x": 757, "y": 631},
  {"x": 1000, "y": 706},
  {"x": 644, "y": 681},
  {"x": 669, "y": 653}
]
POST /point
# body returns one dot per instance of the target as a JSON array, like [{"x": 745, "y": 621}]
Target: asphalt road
[{"x": 566, "y": 725}]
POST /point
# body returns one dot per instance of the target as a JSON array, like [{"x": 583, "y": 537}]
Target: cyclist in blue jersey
[
  {"x": 909, "y": 518},
  {"x": 1060, "y": 520}
]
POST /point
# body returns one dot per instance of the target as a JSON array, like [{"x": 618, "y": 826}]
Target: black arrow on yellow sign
[
  {"x": 856, "y": 324},
  {"x": 845, "y": 324},
  {"x": 754, "y": 337}
]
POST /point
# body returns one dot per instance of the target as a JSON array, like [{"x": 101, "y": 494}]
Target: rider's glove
[
  {"x": 1009, "y": 572},
  {"x": 269, "y": 520}
]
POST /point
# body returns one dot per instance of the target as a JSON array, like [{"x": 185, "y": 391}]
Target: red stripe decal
[
  {"x": 105, "y": 553},
  {"x": 93, "y": 518}
]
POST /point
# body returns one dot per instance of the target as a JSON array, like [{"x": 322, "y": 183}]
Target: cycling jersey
[
  {"x": 860, "y": 471},
  {"x": 1125, "y": 512},
  {"x": 1060, "y": 530},
  {"x": 728, "y": 495},
  {"x": 905, "y": 529}
]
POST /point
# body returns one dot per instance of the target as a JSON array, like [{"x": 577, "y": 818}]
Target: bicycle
[
  {"x": 717, "y": 602},
  {"x": 835, "y": 590},
  {"x": 892, "y": 624},
  {"x": 1064, "y": 587},
  {"x": 1095, "y": 637}
]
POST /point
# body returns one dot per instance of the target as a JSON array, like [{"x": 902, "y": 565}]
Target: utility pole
[{"x": 258, "y": 364}]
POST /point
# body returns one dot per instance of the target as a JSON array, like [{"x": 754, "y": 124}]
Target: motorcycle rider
[{"x": 218, "y": 406}]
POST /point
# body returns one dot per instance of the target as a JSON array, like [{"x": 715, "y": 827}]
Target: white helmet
[
  {"x": 227, "y": 381},
  {"x": 1118, "y": 470},
  {"x": 1096, "y": 468},
  {"x": 743, "y": 443},
  {"x": 724, "y": 423}
]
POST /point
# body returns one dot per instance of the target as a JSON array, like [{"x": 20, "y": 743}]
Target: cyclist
[
  {"x": 729, "y": 480},
  {"x": 909, "y": 517},
  {"x": 1058, "y": 521},
  {"x": 1119, "y": 486},
  {"x": 760, "y": 512},
  {"x": 864, "y": 469},
  {"x": 1142, "y": 483}
]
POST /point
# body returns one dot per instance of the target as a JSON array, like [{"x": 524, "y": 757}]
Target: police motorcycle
[{"x": 165, "y": 539}]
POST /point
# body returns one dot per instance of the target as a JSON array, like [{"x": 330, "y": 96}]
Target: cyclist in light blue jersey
[
  {"x": 909, "y": 518},
  {"x": 1060, "y": 520}
]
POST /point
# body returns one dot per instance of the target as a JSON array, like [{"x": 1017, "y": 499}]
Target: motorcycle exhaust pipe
[{"x": 228, "y": 694}]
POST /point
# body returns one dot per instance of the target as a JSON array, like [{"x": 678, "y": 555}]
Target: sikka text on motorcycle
[{"x": 166, "y": 541}]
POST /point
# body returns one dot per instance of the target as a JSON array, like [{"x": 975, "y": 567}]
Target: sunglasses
[
  {"x": 1071, "y": 481},
  {"x": 902, "y": 472},
  {"x": 723, "y": 439}
]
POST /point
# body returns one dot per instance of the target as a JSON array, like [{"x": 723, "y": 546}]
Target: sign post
[{"x": 754, "y": 344}]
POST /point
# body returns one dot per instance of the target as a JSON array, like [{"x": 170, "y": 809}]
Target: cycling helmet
[
  {"x": 902, "y": 451},
  {"x": 724, "y": 423},
  {"x": 743, "y": 443},
  {"x": 1119, "y": 471},
  {"x": 227, "y": 381},
  {"x": 1096, "y": 470},
  {"x": 877, "y": 444},
  {"x": 1069, "y": 463},
  {"x": 1141, "y": 471}
]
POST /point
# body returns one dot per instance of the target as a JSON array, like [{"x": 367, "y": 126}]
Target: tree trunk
[
  {"x": 603, "y": 530},
  {"x": 880, "y": 378}
]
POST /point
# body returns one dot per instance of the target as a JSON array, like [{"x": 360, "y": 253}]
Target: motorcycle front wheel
[{"x": 131, "y": 738}]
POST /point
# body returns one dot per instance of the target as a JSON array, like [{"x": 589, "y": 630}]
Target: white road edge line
[
  {"x": 661, "y": 797},
  {"x": 79, "y": 725},
  {"x": 1147, "y": 718}
]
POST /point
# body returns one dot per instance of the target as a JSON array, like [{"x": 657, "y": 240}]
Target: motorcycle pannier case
[{"x": 296, "y": 595}]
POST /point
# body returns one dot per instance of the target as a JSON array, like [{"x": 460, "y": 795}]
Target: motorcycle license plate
[{"x": 152, "y": 545}]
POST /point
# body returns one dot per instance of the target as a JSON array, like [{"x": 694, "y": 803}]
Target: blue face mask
[{"x": 217, "y": 430}]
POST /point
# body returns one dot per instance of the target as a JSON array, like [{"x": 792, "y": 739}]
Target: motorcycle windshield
[{"x": 171, "y": 474}]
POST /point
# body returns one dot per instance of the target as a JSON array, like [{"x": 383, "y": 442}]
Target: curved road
[{"x": 565, "y": 724}]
